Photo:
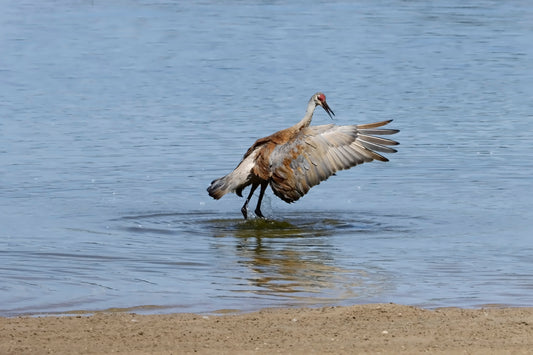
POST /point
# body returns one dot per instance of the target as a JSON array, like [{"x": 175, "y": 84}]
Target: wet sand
[{"x": 373, "y": 328}]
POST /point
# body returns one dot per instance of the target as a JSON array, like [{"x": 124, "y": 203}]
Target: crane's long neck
[{"x": 306, "y": 121}]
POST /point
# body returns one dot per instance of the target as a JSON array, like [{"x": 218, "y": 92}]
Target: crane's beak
[{"x": 327, "y": 109}]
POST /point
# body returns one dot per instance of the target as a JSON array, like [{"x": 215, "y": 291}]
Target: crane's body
[{"x": 297, "y": 158}]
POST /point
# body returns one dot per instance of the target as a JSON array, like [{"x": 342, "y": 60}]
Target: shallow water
[{"x": 115, "y": 118}]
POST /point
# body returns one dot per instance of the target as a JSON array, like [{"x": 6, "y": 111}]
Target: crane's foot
[
  {"x": 244, "y": 211},
  {"x": 258, "y": 213}
]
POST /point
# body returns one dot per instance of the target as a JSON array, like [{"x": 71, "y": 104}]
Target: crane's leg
[
  {"x": 244, "y": 207},
  {"x": 258, "y": 213}
]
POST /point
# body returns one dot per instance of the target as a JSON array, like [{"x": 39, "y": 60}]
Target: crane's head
[{"x": 320, "y": 100}]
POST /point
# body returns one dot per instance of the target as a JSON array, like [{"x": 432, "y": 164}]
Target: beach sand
[{"x": 373, "y": 328}]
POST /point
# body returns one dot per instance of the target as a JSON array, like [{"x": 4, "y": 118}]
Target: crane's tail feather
[{"x": 219, "y": 187}]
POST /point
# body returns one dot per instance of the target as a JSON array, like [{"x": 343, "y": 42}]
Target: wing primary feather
[
  {"x": 377, "y": 147},
  {"x": 367, "y": 152},
  {"x": 373, "y": 125},
  {"x": 379, "y": 131},
  {"x": 377, "y": 140}
]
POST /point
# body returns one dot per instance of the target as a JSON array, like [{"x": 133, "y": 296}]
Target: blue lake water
[{"x": 116, "y": 116}]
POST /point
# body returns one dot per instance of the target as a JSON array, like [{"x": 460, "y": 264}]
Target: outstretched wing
[{"x": 318, "y": 152}]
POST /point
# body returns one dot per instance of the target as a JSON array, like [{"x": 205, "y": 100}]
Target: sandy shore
[{"x": 375, "y": 328}]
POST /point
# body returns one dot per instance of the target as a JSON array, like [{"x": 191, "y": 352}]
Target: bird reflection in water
[{"x": 295, "y": 262}]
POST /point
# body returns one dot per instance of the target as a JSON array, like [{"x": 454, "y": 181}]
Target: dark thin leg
[
  {"x": 258, "y": 213},
  {"x": 244, "y": 207}
]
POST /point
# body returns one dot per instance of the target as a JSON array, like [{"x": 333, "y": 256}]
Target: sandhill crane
[{"x": 295, "y": 159}]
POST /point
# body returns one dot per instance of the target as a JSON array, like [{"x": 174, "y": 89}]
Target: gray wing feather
[{"x": 317, "y": 152}]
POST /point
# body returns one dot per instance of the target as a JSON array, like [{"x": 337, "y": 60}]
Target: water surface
[{"x": 116, "y": 116}]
